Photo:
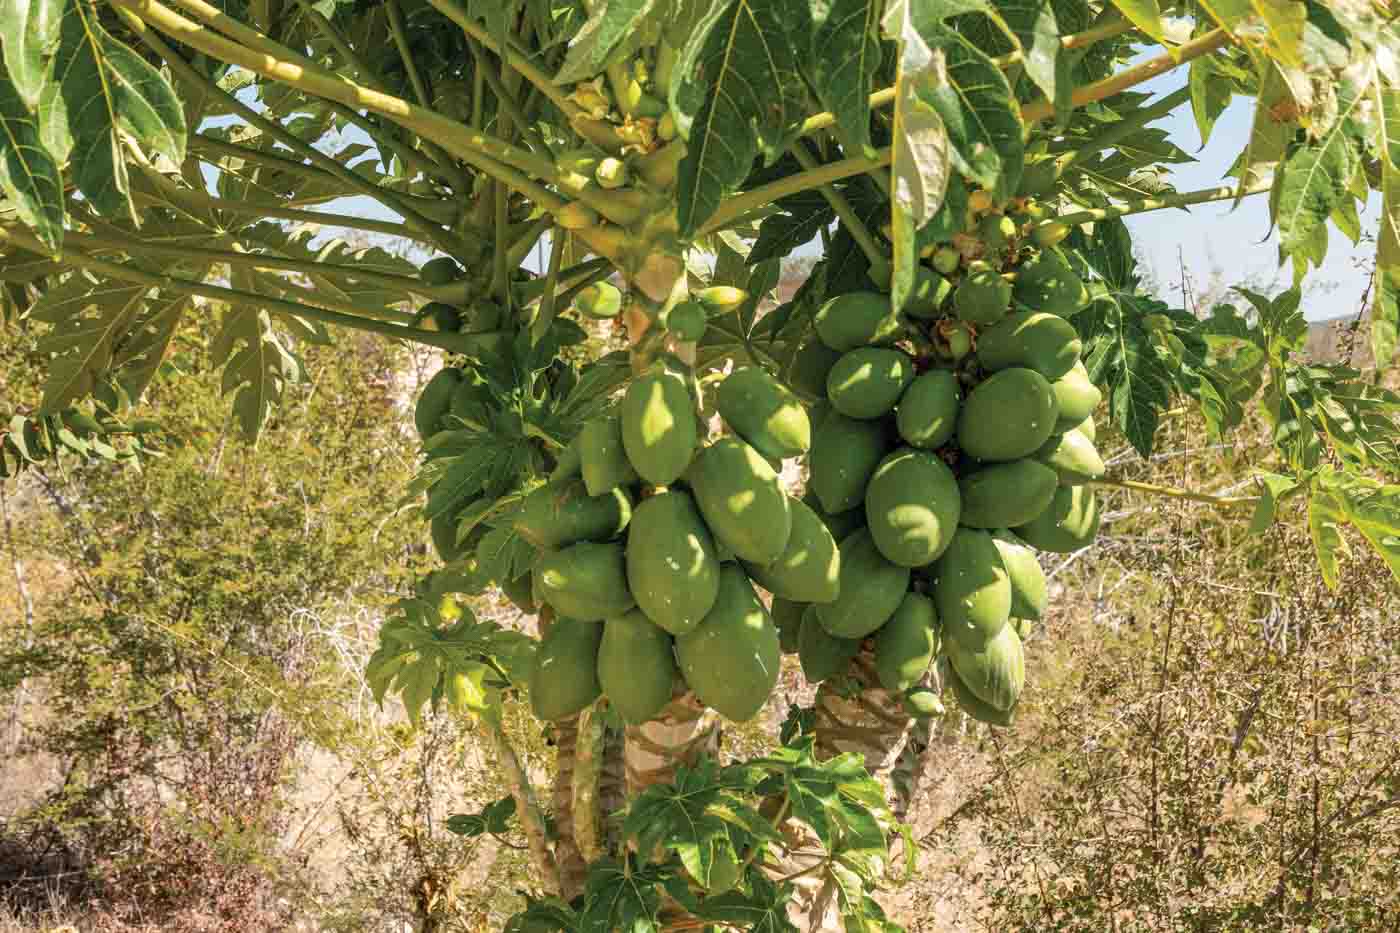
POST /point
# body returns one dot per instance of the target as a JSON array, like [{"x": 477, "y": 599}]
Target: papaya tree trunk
[
  {"x": 684, "y": 732},
  {"x": 867, "y": 720},
  {"x": 570, "y": 761}
]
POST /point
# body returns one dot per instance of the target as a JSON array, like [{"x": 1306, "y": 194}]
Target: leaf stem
[
  {"x": 858, "y": 230},
  {"x": 1144, "y": 205},
  {"x": 525, "y": 806},
  {"x": 1174, "y": 493}
]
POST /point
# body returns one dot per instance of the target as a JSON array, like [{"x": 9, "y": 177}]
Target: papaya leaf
[
  {"x": 1312, "y": 182},
  {"x": 495, "y": 818},
  {"x": 28, "y": 174},
  {"x": 28, "y": 30},
  {"x": 1211, "y": 92},
  {"x": 842, "y": 61},
  {"x": 1144, "y": 14},
  {"x": 258, "y": 366},
  {"x": 763, "y": 910},
  {"x": 1123, "y": 356},
  {"x": 607, "y": 31},
  {"x": 547, "y": 914},
  {"x": 140, "y": 354},
  {"x": 89, "y": 318},
  {"x": 1038, "y": 31},
  {"x": 1385, "y": 312},
  {"x": 979, "y": 112},
  {"x": 1271, "y": 131},
  {"x": 1326, "y": 518},
  {"x": 800, "y": 219},
  {"x": 623, "y": 896},
  {"x": 736, "y": 92},
  {"x": 1272, "y": 489}
]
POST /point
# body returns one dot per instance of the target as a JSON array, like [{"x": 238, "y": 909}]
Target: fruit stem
[
  {"x": 858, "y": 230},
  {"x": 1143, "y": 205},
  {"x": 1174, "y": 493}
]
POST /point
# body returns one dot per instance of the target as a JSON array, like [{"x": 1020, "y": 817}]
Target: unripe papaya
[
  {"x": 923, "y": 703},
  {"x": 575, "y": 215},
  {"x": 636, "y": 667},
  {"x": 666, "y": 127},
  {"x": 928, "y": 296},
  {"x": 659, "y": 426},
  {"x": 974, "y": 706},
  {"x": 1069, "y": 523},
  {"x": 742, "y": 500},
  {"x": 822, "y": 654},
  {"x": 994, "y": 671},
  {"x": 580, "y": 161},
  {"x": 946, "y": 260},
  {"x": 787, "y": 616},
  {"x": 973, "y": 591},
  {"x": 672, "y": 567},
  {"x": 1073, "y": 458},
  {"x": 602, "y": 458},
  {"x": 482, "y": 316},
  {"x": 1034, "y": 340},
  {"x": 585, "y": 581},
  {"x": 1075, "y": 398},
  {"x": 1008, "y": 416},
  {"x": 1087, "y": 428},
  {"x": 857, "y": 319},
  {"x": 867, "y": 382},
  {"x": 1047, "y": 283},
  {"x": 809, "y": 569},
  {"x": 764, "y": 413},
  {"x": 1038, "y": 178},
  {"x": 568, "y": 465},
  {"x": 983, "y": 296},
  {"x": 611, "y": 173},
  {"x": 995, "y": 230},
  {"x": 688, "y": 321},
  {"x": 435, "y": 400},
  {"x": 912, "y": 507},
  {"x": 732, "y": 659},
  {"x": 845, "y": 453},
  {"x": 564, "y": 675},
  {"x": 600, "y": 301},
  {"x": 906, "y": 644},
  {"x": 810, "y": 365},
  {"x": 440, "y": 271},
  {"x": 720, "y": 299},
  {"x": 928, "y": 409},
  {"x": 842, "y": 523},
  {"x": 1005, "y": 494},
  {"x": 871, "y": 589},
  {"x": 1023, "y": 570},
  {"x": 955, "y": 338},
  {"x": 552, "y": 517}
]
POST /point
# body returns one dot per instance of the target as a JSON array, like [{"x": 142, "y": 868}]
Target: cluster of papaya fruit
[{"x": 957, "y": 440}]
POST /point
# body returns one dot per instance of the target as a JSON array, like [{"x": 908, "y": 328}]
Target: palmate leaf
[
  {"x": 28, "y": 174},
  {"x": 89, "y": 318},
  {"x": 736, "y": 92},
  {"x": 1144, "y": 14},
  {"x": 763, "y": 910},
  {"x": 258, "y": 366},
  {"x": 1124, "y": 356},
  {"x": 623, "y": 897},
  {"x": 142, "y": 351},
  {"x": 1385, "y": 312},
  {"x": 1312, "y": 182},
  {"x": 1038, "y": 31},
  {"x": 98, "y": 86},
  {"x": 800, "y": 219},
  {"x": 28, "y": 29},
  {"x": 842, "y": 61},
  {"x": 607, "y": 32}
]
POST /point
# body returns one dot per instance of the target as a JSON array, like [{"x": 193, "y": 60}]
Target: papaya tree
[{"x": 607, "y": 190}]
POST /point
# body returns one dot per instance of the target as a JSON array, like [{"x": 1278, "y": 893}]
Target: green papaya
[
  {"x": 552, "y": 517},
  {"x": 1047, "y": 283},
  {"x": 1023, "y": 571},
  {"x": 983, "y": 296},
  {"x": 912, "y": 506},
  {"x": 972, "y": 590},
  {"x": 871, "y": 589},
  {"x": 946, "y": 260},
  {"x": 1087, "y": 428},
  {"x": 600, "y": 301},
  {"x": 636, "y": 667},
  {"x": 585, "y": 581},
  {"x": 444, "y": 534},
  {"x": 521, "y": 593},
  {"x": 845, "y": 453},
  {"x": 742, "y": 500},
  {"x": 764, "y": 413},
  {"x": 928, "y": 409},
  {"x": 435, "y": 401},
  {"x": 923, "y": 703},
  {"x": 568, "y": 465},
  {"x": 995, "y": 670},
  {"x": 1006, "y": 494},
  {"x": 721, "y": 299},
  {"x": 787, "y": 616},
  {"x": 602, "y": 458},
  {"x": 672, "y": 567},
  {"x": 688, "y": 321},
  {"x": 974, "y": 707},
  {"x": 809, "y": 569},
  {"x": 867, "y": 382},
  {"x": 929, "y": 294},
  {"x": 841, "y": 524},
  {"x": 440, "y": 271},
  {"x": 809, "y": 368},
  {"x": 659, "y": 427},
  {"x": 1007, "y": 417},
  {"x": 995, "y": 230},
  {"x": 1069, "y": 523},
  {"x": 857, "y": 319},
  {"x": 1075, "y": 398},
  {"x": 907, "y": 643},
  {"x": 564, "y": 674},
  {"x": 1073, "y": 458},
  {"x": 822, "y": 654},
  {"x": 1033, "y": 340},
  {"x": 732, "y": 659},
  {"x": 1038, "y": 178}
]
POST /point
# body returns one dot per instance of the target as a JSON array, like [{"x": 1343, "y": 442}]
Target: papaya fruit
[
  {"x": 552, "y": 517},
  {"x": 731, "y": 660},
  {"x": 907, "y": 643},
  {"x": 983, "y": 296},
  {"x": 995, "y": 231},
  {"x": 1073, "y": 458},
  {"x": 1051, "y": 233},
  {"x": 912, "y": 506},
  {"x": 1047, "y": 283},
  {"x": 688, "y": 321},
  {"x": 972, "y": 591},
  {"x": 585, "y": 581},
  {"x": 822, "y": 654},
  {"x": 636, "y": 667},
  {"x": 481, "y": 316},
  {"x": 923, "y": 703},
  {"x": 1075, "y": 398},
  {"x": 602, "y": 458},
  {"x": 440, "y": 271},
  {"x": 857, "y": 319},
  {"x": 928, "y": 409},
  {"x": 1024, "y": 573},
  {"x": 867, "y": 382},
  {"x": 871, "y": 589},
  {"x": 809, "y": 569},
  {"x": 1069, "y": 523},
  {"x": 764, "y": 412},
  {"x": 787, "y": 616},
  {"x": 1033, "y": 340},
  {"x": 995, "y": 670},
  {"x": 1004, "y": 494},
  {"x": 721, "y": 299},
  {"x": 659, "y": 427},
  {"x": 1008, "y": 416},
  {"x": 955, "y": 339},
  {"x": 1087, "y": 428},
  {"x": 435, "y": 401},
  {"x": 946, "y": 260},
  {"x": 841, "y": 524},
  {"x": 521, "y": 593},
  {"x": 575, "y": 215},
  {"x": 743, "y": 502},
  {"x": 971, "y": 704},
  {"x": 568, "y": 465},
  {"x": 1038, "y": 178},
  {"x": 845, "y": 453},
  {"x": 611, "y": 173},
  {"x": 564, "y": 673},
  {"x": 929, "y": 294},
  {"x": 672, "y": 567},
  {"x": 443, "y": 317},
  {"x": 809, "y": 368},
  {"x": 600, "y": 301},
  {"x": 444, "y": 534}
]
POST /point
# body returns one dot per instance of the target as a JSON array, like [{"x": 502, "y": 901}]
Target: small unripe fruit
[
  {"x": 600, "y": 301},
  {"x": 441, "y": 317},
  {"x": 576, "y": 216},
  {"x": 666, "y": 127},
  {"x": 440, "y": 271},
  {"x": 687, "y": 321},
  {"x": 1049, "y": 234},
  {"x": 923, "y": 703},
  {"x": 956, "y": 339},
  {"x": 721, "y": 298},
  {"x": 979, "y": 202},
  {"x": 946, "y": 260},
  {"x": 611, "y": 173}
]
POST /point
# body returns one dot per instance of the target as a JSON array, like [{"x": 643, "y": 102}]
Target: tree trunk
[
  {"x": 685, "y": 731},
  {"x": 570, "y": 760}
]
